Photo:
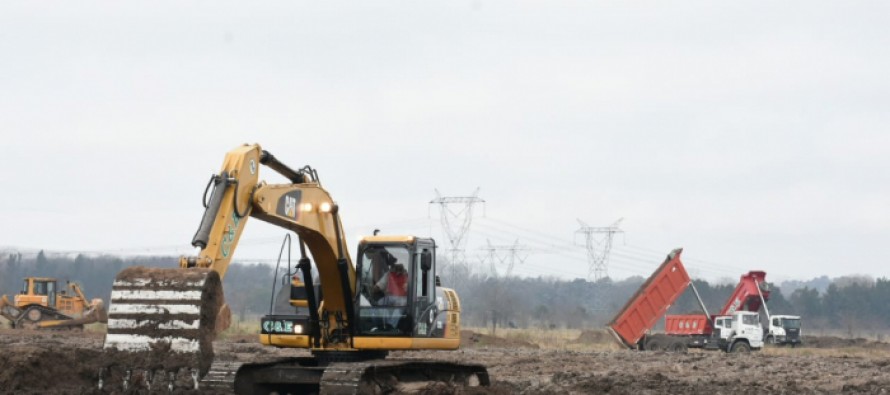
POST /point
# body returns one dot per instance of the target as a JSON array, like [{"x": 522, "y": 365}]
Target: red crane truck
[{"x": 738, "y": 331}]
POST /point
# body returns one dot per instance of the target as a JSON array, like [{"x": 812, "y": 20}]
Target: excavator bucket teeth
[{"x": 164, "y": 318}]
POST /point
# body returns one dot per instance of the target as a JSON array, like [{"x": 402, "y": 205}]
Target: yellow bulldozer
[{"x": 41, "y": 304}]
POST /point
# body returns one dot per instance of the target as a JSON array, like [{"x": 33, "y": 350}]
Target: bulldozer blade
[{"x": 163, "y": 318}]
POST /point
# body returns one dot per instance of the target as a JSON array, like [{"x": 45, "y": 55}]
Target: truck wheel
[
  {"x": 678, "y": 347},
  {"x": 654, "y": 345},
  {"x": 771, "y": 340},
  {"x": 740, "y": 347}
]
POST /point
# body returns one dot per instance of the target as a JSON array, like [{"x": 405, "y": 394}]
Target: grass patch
[{"x": 249, "y": 326}]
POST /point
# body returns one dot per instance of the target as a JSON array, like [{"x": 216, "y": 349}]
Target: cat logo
[
  {"x": 287, "y": 205},
  {"x": 290, "y": 207}
]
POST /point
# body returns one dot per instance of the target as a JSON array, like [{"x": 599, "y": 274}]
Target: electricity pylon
[
  {"x": 456, "y": 214},
  {"x": 598, "y": 241},
  {"x": 508, "y": 255}
]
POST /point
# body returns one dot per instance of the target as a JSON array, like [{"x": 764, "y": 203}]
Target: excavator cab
[{"x": 396, "y": 286}]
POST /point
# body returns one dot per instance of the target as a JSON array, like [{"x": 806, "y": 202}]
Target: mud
[
  {"x": 68, "y": 363},
  {"x": 479, "y": 340},
  {"x": 593, "y": 337},
  {"x": 838, "y": 342}
]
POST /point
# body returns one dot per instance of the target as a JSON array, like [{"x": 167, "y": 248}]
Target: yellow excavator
[
  {"x": 42, "y": 305},
  {"x": 162, "y": 321}
]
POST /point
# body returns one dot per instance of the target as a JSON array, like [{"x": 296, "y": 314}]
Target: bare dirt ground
[{"x": 66, "y": 363}]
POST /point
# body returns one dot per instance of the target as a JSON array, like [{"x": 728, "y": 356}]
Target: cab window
[
  {"x": 40, "y": 288},
  {"x": 384, "y": 288}
]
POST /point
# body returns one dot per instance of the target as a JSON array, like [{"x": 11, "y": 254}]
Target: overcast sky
[{"x": 753, "y": 134}]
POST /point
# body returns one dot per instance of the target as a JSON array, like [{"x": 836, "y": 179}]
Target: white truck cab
[
  {"x": 740, "y": 332},
  {"x": 784, "y": 329}
]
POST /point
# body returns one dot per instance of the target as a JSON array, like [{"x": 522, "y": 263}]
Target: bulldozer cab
[
  {"x": 37, "y": 291},
  {"x": 396, "y": 285}
]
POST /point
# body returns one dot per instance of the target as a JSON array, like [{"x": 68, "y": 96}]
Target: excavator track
[
  {"x": 304, "y": 375},
  {"x": 221, "y": 377}
]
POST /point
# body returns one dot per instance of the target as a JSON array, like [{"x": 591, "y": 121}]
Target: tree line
[{"x": 853, "y": 304}]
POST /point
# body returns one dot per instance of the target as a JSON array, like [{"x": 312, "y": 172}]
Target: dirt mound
[
  {"x": 593, "y": 337},
  {"x": 40, "y": 370},
  {"x": 839, "y": 342},
  {"x": 472, "y": 339}
]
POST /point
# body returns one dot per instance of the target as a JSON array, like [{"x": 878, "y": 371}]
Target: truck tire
[
  {"x": 770, "y": 340},
  {"x": 678, "y": 346},
  {"x": 740, "y": 347},
  {"x": 654, "y": 344}
]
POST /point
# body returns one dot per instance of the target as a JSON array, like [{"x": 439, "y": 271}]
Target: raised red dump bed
[
  {"x": 687, "y": 324},
  {"x": 651, "y": 301}
]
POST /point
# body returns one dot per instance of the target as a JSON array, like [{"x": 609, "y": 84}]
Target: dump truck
[
  {"x": 632, "y": 327},
  {"x": 784, "y": 330},
  {"x": 750, "y": 295},
  {"x": 42, "y": 305}
]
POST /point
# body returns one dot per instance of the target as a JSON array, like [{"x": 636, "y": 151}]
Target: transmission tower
[
  {"x": 508, "y": 255},
  {"x": 598, "y": 241},
  {"x": 456, "y": 214}
]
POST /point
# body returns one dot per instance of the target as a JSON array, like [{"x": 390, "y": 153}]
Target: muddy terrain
[{"x": 67, "y": 363}]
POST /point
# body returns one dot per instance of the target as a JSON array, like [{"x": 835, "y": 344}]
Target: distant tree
[{"x": 42, "y": 264}]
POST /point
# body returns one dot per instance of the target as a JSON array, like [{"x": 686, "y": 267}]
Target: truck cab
[
  {"x": 739, "y": 332},
  {"x": 784, "y": 329}
]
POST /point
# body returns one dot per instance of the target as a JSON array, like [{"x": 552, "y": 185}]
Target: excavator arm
[{"x": 181, "y": 310}]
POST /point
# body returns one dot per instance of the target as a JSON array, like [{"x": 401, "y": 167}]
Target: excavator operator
[{"x": 394, "y": 286}]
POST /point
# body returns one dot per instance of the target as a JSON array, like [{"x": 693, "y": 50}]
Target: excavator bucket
[{"x": 163, "y": 320}]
